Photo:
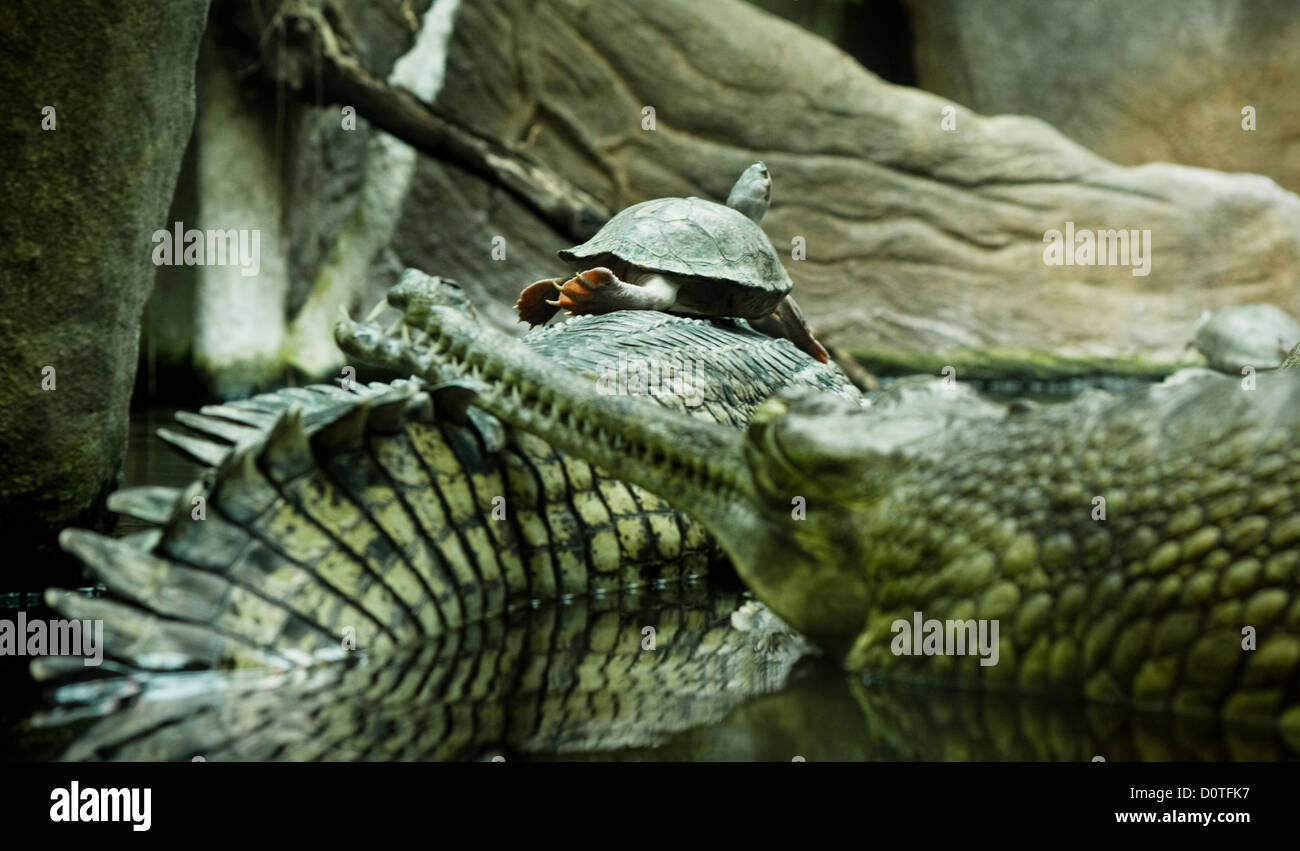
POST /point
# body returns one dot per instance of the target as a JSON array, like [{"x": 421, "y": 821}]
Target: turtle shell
[{"x": 727, "y": 265}]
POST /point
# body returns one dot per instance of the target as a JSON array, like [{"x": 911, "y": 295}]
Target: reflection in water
[
  {"x": 824, "y": 715},
  {"x": 562, "y": 678},
  {"x": 148, "y": 461},
  {"x": 574, "y": 682}
]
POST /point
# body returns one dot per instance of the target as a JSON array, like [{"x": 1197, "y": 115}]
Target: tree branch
[{"x": 311, "y": 45}]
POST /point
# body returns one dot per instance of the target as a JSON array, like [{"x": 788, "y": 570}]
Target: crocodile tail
[
  {"x": 266, "y": 559},
  {"x": 335, "y": 519}
]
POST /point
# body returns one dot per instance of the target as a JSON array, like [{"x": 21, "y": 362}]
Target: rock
[
  {"x": 877, "y": 34},
  {"x": 916, "y": 239},
  {"x": 323, "y": 194},
  {"x": 1134, "y": 82},
  {"x": 81, "y": 202},
  {"x": 1249, "y": 335},
  {"x": 909, "y": 243},
  {"x": 359, "y": 266},
  {"x": 239, "y": 317}
]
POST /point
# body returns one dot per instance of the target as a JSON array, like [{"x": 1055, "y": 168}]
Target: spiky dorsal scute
[
  {"x": 366, "y": 518},
  {"x": 692, "y": 238},
  {"x": 270, "y": 559},
  {"x": 353, "y": 521},
  {"x": 1292, "y": 359}
]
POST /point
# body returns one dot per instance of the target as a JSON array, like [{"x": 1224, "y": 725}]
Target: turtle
[
  {"x": 682, "y": 255},
  {"x": 1258, "y": 335}
]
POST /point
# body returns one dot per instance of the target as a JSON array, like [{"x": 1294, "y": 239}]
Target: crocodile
[
  {"x": 396, "y": 512},
  {"x": 1137, "y": 549},
  {"x": 395, "y": 523}
]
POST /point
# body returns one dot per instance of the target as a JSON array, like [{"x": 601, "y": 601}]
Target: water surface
[{"x": 576, "y": 681}]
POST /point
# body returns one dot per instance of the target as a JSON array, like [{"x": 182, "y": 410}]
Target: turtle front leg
[
  {"x": 534, "y": 304},
  {"x": 600, "y": 291}
]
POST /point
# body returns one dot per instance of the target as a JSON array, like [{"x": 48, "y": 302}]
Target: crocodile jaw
[{"x": 699, "y": 466}]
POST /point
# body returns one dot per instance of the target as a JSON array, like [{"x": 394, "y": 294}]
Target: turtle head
[{"x": 753, "y": 192}]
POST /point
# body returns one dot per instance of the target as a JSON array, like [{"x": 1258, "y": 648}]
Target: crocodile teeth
[
  {"x": 406, "y": 334},
  {"x": 392, "y": 328},
  {"x": 376, "y": 310}
]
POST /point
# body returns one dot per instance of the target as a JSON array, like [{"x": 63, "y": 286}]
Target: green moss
[{"x": 1017, "y": 364}]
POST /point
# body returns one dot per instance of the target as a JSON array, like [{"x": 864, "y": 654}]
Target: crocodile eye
[{"x": 800, "y": 438}]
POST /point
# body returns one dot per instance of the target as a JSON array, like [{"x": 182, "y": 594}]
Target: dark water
[
  {"x": 572, "y": 682},
  {"x": 151, "y": 461},
  {"x": 148, "y": 462}
]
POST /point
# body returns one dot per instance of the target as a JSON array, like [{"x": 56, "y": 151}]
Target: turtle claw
[{"x": 533, "y": 306}]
